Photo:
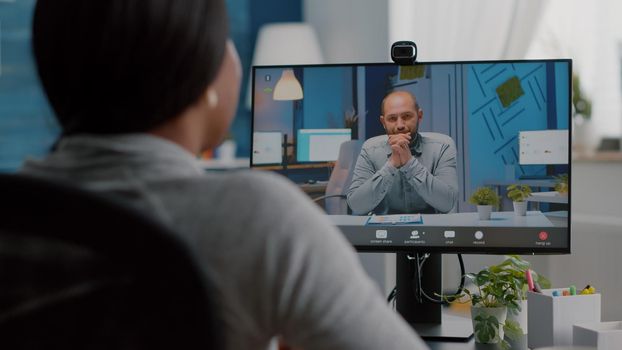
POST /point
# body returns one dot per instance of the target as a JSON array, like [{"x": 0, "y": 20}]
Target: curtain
[{"x": 465, "y": 30}]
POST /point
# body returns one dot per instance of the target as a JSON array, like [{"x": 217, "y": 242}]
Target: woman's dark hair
[{"x": 119, "y": 66}]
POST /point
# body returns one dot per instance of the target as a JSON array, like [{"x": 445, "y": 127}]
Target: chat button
[{"x": 450, "y": 234}]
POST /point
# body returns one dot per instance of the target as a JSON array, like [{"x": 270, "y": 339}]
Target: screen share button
[
  {"x": 381, "y": 234},
  {"x": 381, "y": 237}
]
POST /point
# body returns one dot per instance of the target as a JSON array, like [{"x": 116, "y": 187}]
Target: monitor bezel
[{"x": 449, "y": 249}]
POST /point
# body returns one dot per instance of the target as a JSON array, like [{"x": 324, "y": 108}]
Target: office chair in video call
[
  {"x": 340, "y": 178},
  {"x": 80, "y": 271}
]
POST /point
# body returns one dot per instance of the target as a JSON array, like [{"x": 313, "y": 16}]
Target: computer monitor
[
  {"x": 267, "y": 147},
  {"x": 543, "y": 147},
  {"x": 470, "y": 125},
  {"x": 320, "y": 145}
]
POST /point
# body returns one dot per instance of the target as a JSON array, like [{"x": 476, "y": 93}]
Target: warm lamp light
[{"x": 288, "y": 87}]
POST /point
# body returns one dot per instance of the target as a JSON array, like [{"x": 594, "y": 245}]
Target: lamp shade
[
  {"x": 288, "y": 87},
  {"x": 287, "y": 43}
]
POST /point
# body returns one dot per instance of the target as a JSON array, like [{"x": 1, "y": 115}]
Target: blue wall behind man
[
  {"x": 328, "y": 95},
  {"x": 493, "y": 128}
]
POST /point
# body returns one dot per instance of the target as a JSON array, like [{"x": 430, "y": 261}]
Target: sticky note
[
  {"x": 412, "y": 72},
  {"x": 509, "y": 91}
]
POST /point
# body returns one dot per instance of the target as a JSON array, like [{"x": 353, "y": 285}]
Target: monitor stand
[{"x": 426, "y": 317}]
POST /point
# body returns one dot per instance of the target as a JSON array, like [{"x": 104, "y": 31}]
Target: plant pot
[
  {"x": 484, "y": 211},
  {"x": 520, "y": 208},
  {"x": 584, "y": 138},
  {"x": 488, "y": 323},
  {"x": 521, "y": 316},
  {"x": 226, "y": 151}
]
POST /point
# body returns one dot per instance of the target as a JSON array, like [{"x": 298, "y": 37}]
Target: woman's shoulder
[
  {"x": 252, "y": 180},
  {"x": 243, "y": 185}
]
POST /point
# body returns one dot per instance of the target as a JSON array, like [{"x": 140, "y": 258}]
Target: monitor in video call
[{"x": 394, "y": 154}]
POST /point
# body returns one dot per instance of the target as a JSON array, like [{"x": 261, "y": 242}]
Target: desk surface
[
  {"x": 220, "y": 164},
  {"x": 521, "y": 344},
  {"x": 471, "y": 345},
  {"x": 531, "y": 183},
  {"x": 318, "y": 187},
  {"x": 548, "y": 197},
  {"x": 451, "y": 345}
]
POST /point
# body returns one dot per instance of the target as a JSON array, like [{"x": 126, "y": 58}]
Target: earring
[{"x": 212, "y": 98}]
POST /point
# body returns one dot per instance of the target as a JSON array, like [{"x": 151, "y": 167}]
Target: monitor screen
[
  {"x": 543, "y": 147},
  {"x": 320, "y": 145},
  {"x": 267, "y": 147},
  {"x": 399, "y": 157}
]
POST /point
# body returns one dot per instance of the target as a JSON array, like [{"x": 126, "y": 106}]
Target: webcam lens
[{"x": 403, "y": 51}]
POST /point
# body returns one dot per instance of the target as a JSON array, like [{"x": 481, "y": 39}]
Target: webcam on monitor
[{"x": 404, "y": 52}]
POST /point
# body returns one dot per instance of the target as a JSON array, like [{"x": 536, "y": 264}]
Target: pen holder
[{"x": 550, "y": 318}]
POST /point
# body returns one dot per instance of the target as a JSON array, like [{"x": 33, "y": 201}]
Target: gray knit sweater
[{"x": 280, "y": 267}]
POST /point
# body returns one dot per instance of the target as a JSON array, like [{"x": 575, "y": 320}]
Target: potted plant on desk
[
  {"x": 484, "y": 198},
  {"x": 497, "y": 293},
  {"x": 517, "y": 267},
  {"x": 519, "y": 194}
]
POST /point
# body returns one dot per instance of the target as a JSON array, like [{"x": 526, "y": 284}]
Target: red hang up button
[{"x": 543, "y": 235}]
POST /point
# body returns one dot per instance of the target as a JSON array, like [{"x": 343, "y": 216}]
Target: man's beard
[{"x": 414, "y": 135}]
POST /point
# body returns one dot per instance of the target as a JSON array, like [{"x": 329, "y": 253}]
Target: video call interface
[{"x": 400, "y": 156}]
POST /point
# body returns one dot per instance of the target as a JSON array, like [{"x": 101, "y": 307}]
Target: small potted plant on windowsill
[
  {"x": 561, "y": 184},
  {"x": 519, "y": 194},
  {"x": 226, "y": 151},
  {"x": 351, "y": 121},
  {"x": 484, "y": 198}
]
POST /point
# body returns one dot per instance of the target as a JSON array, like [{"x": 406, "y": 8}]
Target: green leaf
[
  {"x": 518, "y": 193},
  {"x": 543, "y": 282},
  {"x": 482, "y": 277},
  {"x": 503, "y": 284},
  {"x": 470, "y": 276},
  {"x": 486, "y": 327},
  {"x": 518, "y": 262},
  {"x": 512, "y": 330},
  {"x": 484, "y": 196}
]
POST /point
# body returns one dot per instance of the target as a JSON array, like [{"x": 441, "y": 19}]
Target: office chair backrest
[
  {"x": 80, "y": 271},
  {"x": 341, "y": 177},
  {"x": 440, "y": 137},
  {"x": 447, "y": 140}
]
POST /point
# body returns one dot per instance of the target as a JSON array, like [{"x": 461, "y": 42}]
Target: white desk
[
  {"x": 540, "y": 184},
  {"x": 220, "y": 165},
  {"x": 548, "y": 197},
  {"x": 530, "y": 183}
]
